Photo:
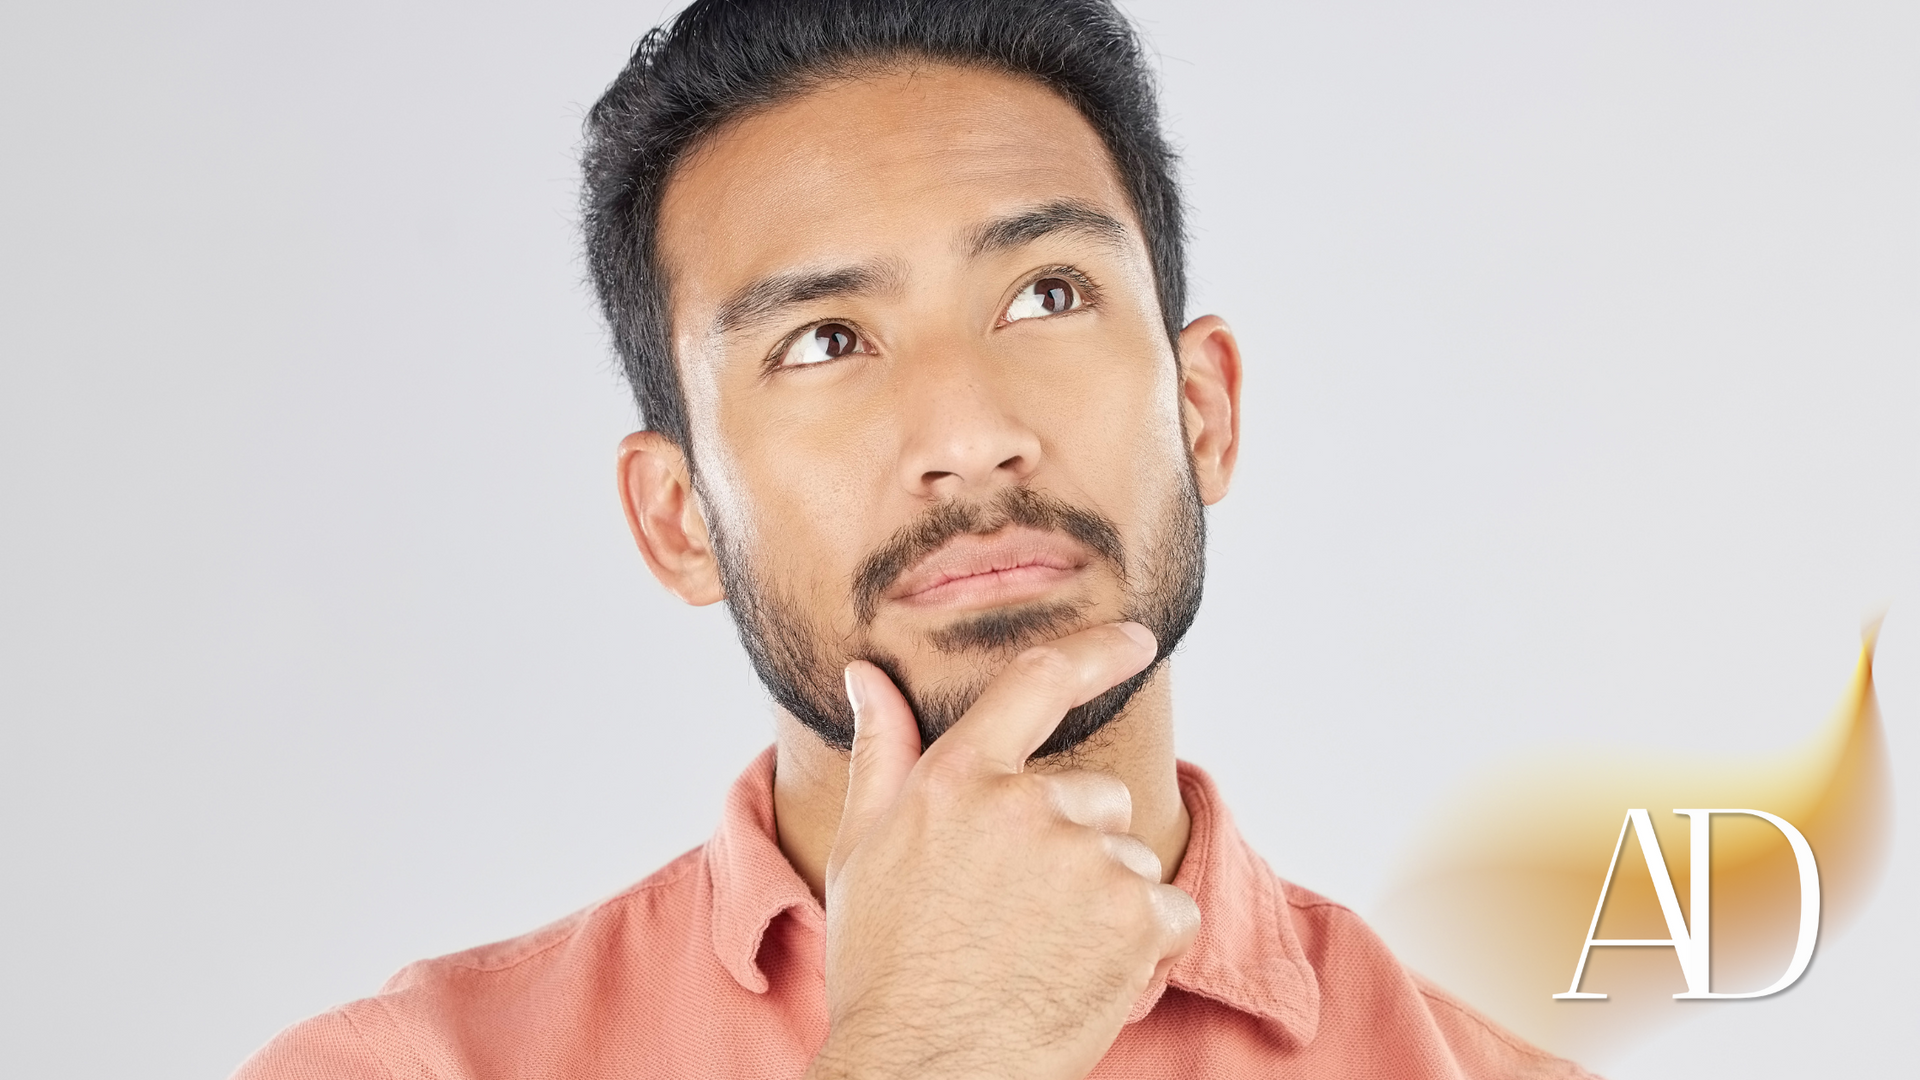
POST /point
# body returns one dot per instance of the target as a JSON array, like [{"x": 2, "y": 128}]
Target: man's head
[{"x": 899, "y": 288}]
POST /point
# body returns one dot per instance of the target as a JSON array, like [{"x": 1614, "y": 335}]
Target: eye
[
  {"x": 1047, "y": 296},
  {"x": 828, "y": 341}
]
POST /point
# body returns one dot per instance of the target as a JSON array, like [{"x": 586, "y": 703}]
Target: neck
[{"x": 810, "y": 782}]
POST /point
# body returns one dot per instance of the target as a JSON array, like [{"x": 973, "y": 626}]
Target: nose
[{"x": 961, "y": 437}]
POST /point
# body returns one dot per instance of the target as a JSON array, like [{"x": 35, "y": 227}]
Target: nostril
[{"x": 1015, "y": 463}]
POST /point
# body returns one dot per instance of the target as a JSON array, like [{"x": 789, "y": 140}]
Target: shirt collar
[
  {"x": 1247, "y": 955},
  {"x": 753, "y": 883}
]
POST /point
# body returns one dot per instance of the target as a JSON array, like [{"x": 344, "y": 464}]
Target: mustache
[{"x": 945, "y": 520}]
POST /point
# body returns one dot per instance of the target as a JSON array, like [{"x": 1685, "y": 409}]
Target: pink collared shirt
[{"x": 712, "y": 968}]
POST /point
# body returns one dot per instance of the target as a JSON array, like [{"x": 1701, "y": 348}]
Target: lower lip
[{"x": 992, "y": 589}]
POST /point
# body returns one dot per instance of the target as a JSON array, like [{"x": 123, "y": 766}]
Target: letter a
[{"x": 1693, "y": 966}]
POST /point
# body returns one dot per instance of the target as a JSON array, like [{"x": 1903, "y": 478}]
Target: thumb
[{"x": 886, "y": 746}]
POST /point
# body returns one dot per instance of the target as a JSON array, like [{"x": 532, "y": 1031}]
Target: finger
[
  {"x": 1096, "y": 800},
  {"x": 1025, "y": 702},
  {"x": 1133, "y": 853},
  {"x": 886, "y": 744},
  {"x": 1179, "y": 919}
]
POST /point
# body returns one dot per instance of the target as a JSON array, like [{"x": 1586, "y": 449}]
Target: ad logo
[
  {"x": 1694, "y": 948},
  {"x": 1497, "y": 904}
]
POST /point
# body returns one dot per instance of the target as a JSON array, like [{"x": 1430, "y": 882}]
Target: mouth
[{"x": 1012, "y": 565}]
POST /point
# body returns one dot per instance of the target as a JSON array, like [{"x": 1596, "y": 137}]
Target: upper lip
[{"x": 971, "y": 555}]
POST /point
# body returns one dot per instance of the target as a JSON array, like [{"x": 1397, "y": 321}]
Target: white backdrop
[{"x": 1583, "y": 403}]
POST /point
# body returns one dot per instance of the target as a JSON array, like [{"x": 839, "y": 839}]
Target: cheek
[
  {"x": 805, "y": 491},
  {"x": 816, "y": 468},
  {"x": 1113, "y": 409},
  {"x": 1127, "y": 447}
]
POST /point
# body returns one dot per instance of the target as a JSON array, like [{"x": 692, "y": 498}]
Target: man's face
[{"x": 933, "y": 408}]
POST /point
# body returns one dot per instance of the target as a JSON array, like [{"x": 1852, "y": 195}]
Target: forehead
[{"x": 894, "y": 164}]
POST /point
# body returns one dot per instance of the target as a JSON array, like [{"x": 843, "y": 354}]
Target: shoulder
[
  {"x": 1350, "y": 962},
  {"x": 1338, "y": 942},
  {"x": 395, "y": 1033},
  {"x": 667, "y": 900},
  {"x": 1473, "y": 1037},
  {"x": 331, "y": 1046},
  {"x": 1359, "y": 974}
]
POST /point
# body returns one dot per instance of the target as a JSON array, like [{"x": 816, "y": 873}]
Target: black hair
[{"x": 720, "y": 58}]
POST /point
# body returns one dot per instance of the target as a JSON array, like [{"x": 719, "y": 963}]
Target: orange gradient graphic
[{"x": 1496, "y": 901}]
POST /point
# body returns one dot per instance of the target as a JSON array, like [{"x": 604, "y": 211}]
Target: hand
[{"x": 983, "y": 920}]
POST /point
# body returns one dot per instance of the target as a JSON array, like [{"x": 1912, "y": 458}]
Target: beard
[{"x": 801, "y": 663}]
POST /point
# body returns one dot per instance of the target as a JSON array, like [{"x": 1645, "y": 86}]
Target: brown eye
[
  {"x": 1056, "y": 294},
  {"x": 828, "y": 341},
  {"x": 835, "y": 339},
  {"x": 1047, "y": 296}
]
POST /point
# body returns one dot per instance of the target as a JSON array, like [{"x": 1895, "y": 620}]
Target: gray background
[{"x": 1583, "y": 406}]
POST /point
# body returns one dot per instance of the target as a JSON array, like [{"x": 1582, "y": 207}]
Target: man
[{"x": 899, "y": 286}]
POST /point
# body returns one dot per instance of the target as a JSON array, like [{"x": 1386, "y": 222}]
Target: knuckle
[
  {"x": 1175, "y": 911},
  {"x": 1138, "y": 857},
  {"x": 948, "y": 762},
  {"x": 1047, "y": 665},
  {"x": 866, "y": 742},
  {"x": 1057, "y": 790},
  {"x": 1113, "y": 790},
  {"x": 1028, "y": 800},
  {"x": 1134, "y": 911}
]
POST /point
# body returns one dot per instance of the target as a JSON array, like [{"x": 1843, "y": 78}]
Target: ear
[
  {"x": 656, "y": 490},
  {"x": 1210, "y": 402}
]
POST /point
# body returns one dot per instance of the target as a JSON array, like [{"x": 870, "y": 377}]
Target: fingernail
[
  {"x": 855, "y": 697},
  {"x": 1140, "y": 634}
]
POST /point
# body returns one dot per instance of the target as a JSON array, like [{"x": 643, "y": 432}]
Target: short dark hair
[{"x": 720, "y": 58}]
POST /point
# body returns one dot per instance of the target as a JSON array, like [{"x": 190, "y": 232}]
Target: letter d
[{"x": 1809, "y": 896}]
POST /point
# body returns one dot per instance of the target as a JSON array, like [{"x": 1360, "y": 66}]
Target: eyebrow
[
  {"x": 770, "y": 295},
  {"x": 1026, "y": 226},
  {"x": 775, "y": 292}
]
